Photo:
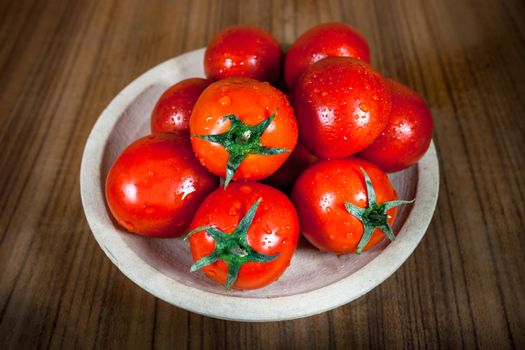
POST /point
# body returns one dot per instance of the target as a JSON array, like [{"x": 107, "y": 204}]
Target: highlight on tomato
[{"x": 156, "y": 185}]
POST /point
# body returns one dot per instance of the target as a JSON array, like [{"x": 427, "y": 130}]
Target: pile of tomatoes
[{"x": 319, "y": 126}]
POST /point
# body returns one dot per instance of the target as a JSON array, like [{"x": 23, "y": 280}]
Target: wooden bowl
[{"x": 315, "y": 282}]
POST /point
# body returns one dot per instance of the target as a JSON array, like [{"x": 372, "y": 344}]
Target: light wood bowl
[{"x": 315, "y": 282}]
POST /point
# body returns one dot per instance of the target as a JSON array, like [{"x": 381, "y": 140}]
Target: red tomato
[
  {"x": 407, "y": 135},
  {"x": 242, "y": 129},
  {"x": 173, "y": 109},
  {"x": 342, "y": 105},
  {"x": 244, "y": 236},
  {"x": 339, "y": 212},
  {"x": 243, "y": 51},
  {"x": 286, "y": 175},
  {"x": 325, "y": 40},
  {"x": 155, "y": 186}
]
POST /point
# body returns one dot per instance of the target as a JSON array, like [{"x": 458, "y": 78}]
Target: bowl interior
[{"x": 309, "y": 270}]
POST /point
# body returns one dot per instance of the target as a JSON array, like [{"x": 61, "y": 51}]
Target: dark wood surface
[{"x": 61, "y": 62}]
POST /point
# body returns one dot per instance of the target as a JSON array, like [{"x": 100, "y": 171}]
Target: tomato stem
[
  {"x": 240, "y": 141},
  {"x": 232, "y": 248},
  {"x": 374, "y": 215}
]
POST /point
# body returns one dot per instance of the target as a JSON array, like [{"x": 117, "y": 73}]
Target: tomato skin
[
  {"x": 275, "y": 230},
  {"x": 407, "y": 135},
  {"x": 286, "y": 175},
  {"x": 252, "y": 101},
  {"x": 243, "y": 51},
  {"x": 342, "y": 105},
  {"x": 173, "y": 109},
  {"x": 320, "y": 194},
  {"x": 156, "y": 184},
  {"x": 325, "y": 40}
]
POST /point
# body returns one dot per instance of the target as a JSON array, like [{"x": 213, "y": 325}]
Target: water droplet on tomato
[
  {"x": 332, "y": 237},
  {"x": 225, "y": 101},
  {"x": 246, "y": 189},
  {"x": 129, "y": 225}
]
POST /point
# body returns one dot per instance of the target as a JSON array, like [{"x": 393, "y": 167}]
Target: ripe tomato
[
  {"x": 242, "y": 129},
  {"x": 244, "y": 236},
  {"x": 325, "y": 40},
  {"x": 173, "y": 109},
  {"x": 346, "y": 205},
  {"x": 155, "y": 186},
  {"x": 407, "y": 135},
  {"x": 243, "y": 51},
  {"x": 286, "y": 175},
  {"x": 342, "y": 105}
]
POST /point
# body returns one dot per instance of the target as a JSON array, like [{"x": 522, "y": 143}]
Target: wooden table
[{"x": 61, "y": 62}]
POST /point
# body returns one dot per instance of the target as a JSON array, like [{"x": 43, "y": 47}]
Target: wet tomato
[
  {"x": 173, "y": 109},
  {"x": 408, "y": 132},
  {"x": 242, "y": 129},
  {"x": 342, "y": 105},
  {"x": 345, "y": 206},
  {"x": 245, "y": 236},
  {"x": 243, "y": 51},
  {"x": 325, "y": 40},
  {"x": 156, "y": 185}
]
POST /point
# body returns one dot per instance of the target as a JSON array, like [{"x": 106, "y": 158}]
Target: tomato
[
  {"x": 407, "y": 135},
  {"x": 173, "y": 109},
  {"x": 325, "y": 40},
  {"x": 346, "y": 205},
  {"x": 342, "y": 105},
  {"x": 156, "y": 184},
  {"x": 242, "y": 129},
  {"x": 286, "y": 175},
  {"x": 243, "y": 51},
  {"x": 244, "y": 236}
]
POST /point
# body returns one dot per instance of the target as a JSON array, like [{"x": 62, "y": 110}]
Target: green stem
[
  {"x": 240, "y": 141},
  {"x": 232, "y": 248},
  {"x": 374, "y": 216}
]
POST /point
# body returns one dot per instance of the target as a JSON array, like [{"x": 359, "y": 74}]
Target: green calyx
[
  {"x": 240, "y": 141},
  {"x": 232, "y": 248},
  {"x": 374, "y": 215}
]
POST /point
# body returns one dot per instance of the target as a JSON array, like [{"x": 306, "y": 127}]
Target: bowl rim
[{"x": 253, "y": 309}]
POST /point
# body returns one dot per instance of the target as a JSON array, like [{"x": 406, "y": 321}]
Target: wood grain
[{"x": 61, "y": 62}]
